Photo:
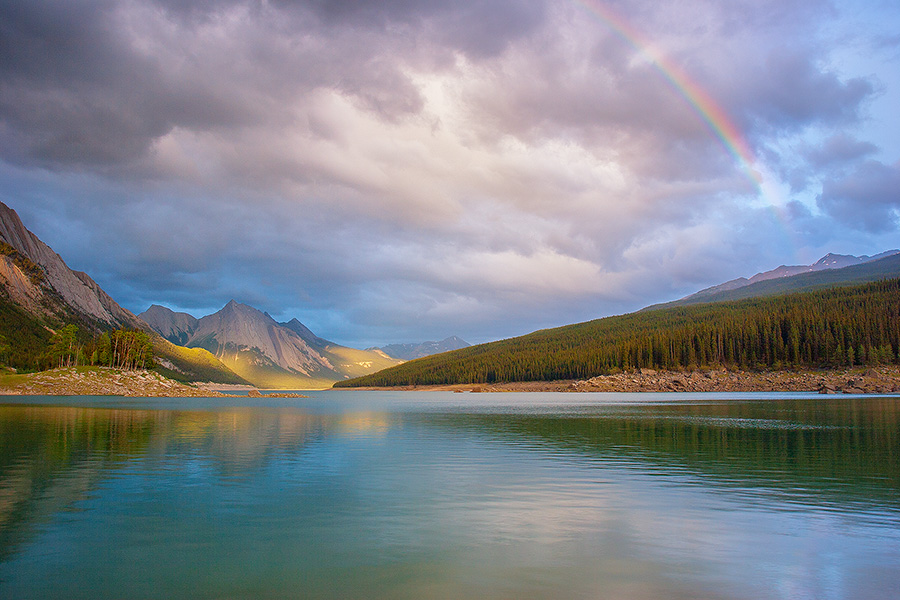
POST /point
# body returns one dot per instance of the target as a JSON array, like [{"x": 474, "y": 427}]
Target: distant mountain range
[
  {"x": 829, "y": 271},
  {"x": 412, "y": 351},
  {"x": 261, "y": 350}
]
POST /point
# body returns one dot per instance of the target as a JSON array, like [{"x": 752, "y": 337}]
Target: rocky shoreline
[
  {"x": 877, "y": 380},
  {"x": 100, "y": 381}
]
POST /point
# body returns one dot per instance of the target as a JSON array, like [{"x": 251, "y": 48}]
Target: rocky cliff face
[
  {"x": 177, "y": 327},
  {"x": 59, "y": 287},
  {"x": 308, "y": 336}
]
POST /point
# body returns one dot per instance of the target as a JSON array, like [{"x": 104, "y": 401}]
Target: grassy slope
[
  {"x": 266, "y": 375},
  {"x": 348, "y": 362},
  {"x": 193, "y": 364},
  {"x": 25, "y": 334}
]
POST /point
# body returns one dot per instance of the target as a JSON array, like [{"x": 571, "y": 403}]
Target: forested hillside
[{"x": 842, "y": 326}]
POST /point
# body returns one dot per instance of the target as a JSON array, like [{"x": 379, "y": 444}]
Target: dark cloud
[
  {"x": 478, "y": 28},
  {"x": 868, "y": 198},
  {"x": 829, "y": 158},
  {"x": 839, "y": 150},
  {"x": 793, "y": 91},
  {"x": 89, "y": 84},
  {"x": 76, "y": 90}
]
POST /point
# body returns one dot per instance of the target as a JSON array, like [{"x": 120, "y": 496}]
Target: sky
[{"x": 406, "y": 170}]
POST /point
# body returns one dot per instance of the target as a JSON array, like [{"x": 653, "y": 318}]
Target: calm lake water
[{"x": 440, "y": 495}]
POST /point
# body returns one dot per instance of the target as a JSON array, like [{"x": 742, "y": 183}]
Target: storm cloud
[{"x": 408, "y": 170}]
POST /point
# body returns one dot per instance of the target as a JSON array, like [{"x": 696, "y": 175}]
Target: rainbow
[{"x": 715, "y": 117}]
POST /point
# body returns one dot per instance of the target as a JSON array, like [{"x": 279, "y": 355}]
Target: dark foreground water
[{"x": 381, "y": 495}]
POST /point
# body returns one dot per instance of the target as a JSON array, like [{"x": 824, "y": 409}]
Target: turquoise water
[{"x": 440, "y": 495}]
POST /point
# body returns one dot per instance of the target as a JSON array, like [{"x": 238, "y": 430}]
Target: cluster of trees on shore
[
  {"x": 121, "y": 348},
  {"x": 846, "y": 326}
]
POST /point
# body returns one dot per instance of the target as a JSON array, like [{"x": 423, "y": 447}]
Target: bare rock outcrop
[
  {"x": 101, "y": 381},
  {"x": 77, "y": 290},
  {"x": 881, "y": 380}
]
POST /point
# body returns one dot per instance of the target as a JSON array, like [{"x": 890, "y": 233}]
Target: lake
[{"x": 353, "y": 494}]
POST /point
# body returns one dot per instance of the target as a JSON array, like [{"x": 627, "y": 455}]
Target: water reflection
[
  {"x": 838, "y": 450},
  {"x": 778, "y": 498}
]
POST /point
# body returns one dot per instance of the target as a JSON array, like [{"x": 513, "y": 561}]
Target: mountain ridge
[
  {"x": 264, "y": 351},
  {"x": 177, "y": 327},
  {"x": 876, "y": 270},
  {"x": 830, "y": 261},
  {"x": 59, "y": 287}
]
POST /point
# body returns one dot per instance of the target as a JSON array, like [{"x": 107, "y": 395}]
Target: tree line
[{"x": 845, "y": 326}]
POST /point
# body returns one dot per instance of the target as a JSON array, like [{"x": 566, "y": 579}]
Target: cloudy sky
[{"x": 403, "y": 170}]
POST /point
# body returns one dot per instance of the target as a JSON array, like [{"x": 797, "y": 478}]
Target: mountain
[
  {"x": 838, "y": 327},
  {"x": 411, "y": 351},
  {"x": 825, "y": 273},
  {"x": 827, "y": 262},
  {"x": 177, "y": 327},
  {"x": 308, "y": 336},
  {"x": 267, "y": 353},
  {"x": 39, "y": 293},
  {"x": 34, "y": 277}
]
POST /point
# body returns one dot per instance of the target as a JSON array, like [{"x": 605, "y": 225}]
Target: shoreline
[
  {"x": 859, "y": 380},
  {"x": 101, "y": 381},
  {"x": 105, "y": 381}
]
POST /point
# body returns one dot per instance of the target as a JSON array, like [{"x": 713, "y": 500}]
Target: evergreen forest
[{"x": 838, "y": 327}]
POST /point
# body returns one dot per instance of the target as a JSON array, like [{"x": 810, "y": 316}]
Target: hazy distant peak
[
  {"x": 830, "y": 270},
  {"x": 837, "y": 261},
  {"x": 411, "y": 351},
  {"x": 829, "y": 261}
]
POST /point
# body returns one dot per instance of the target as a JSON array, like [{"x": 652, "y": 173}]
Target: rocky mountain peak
[
  {"x": 237, "y": 312},
  {"x": 836, "y": 261},
  {"x": 177, "y": 327}
]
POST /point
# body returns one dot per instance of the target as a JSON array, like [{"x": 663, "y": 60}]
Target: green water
[{"x": 405, "y": 495}]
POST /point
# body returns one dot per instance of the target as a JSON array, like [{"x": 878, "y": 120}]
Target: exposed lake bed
[{"x": 402, "y": 494}]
